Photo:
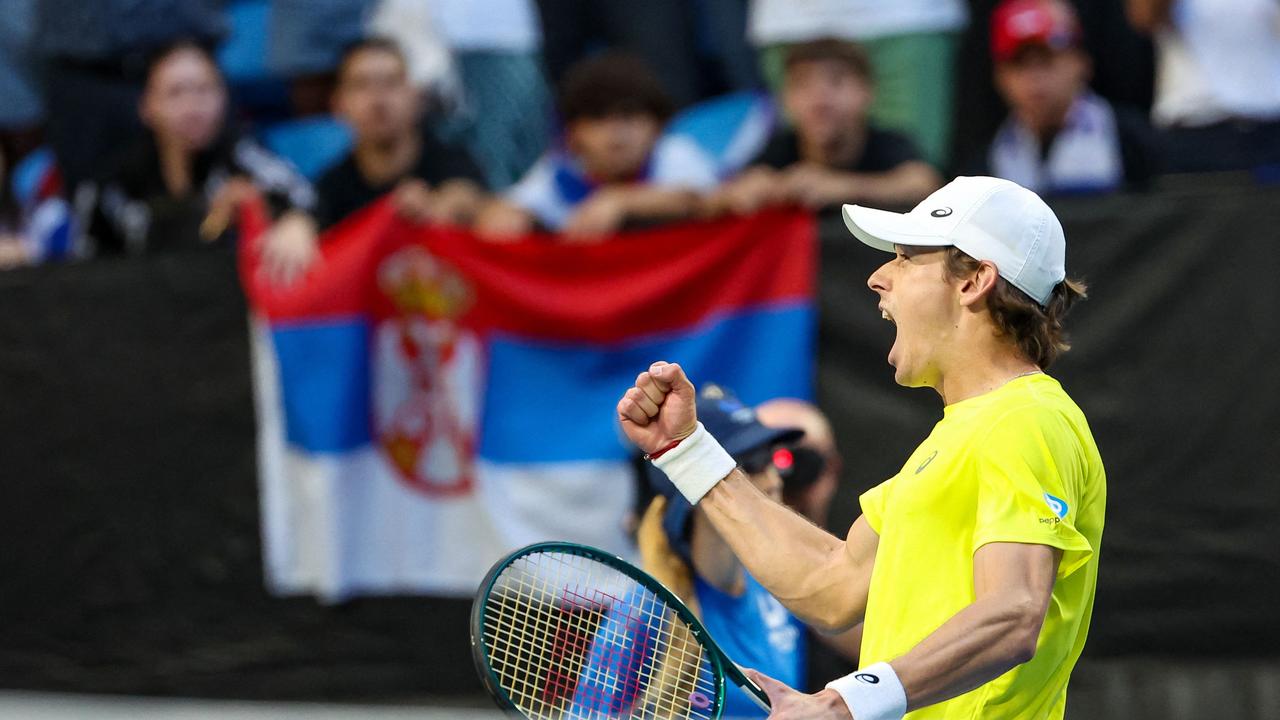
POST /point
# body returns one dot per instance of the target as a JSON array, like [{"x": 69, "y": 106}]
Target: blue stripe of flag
[
  {"x": 324, "y": 384},
  {"x": 555, "y": 402}
]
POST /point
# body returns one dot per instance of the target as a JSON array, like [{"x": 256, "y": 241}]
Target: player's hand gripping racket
[{"x": 565, "y": 631}]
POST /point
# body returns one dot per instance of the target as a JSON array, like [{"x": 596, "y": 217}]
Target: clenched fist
[{"x": 659, "y": 409}]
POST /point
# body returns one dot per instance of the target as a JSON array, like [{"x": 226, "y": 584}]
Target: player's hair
[
  {"x": 612, "y": 83},
  {"x": 1036, "y": 330},
  {"x": 374, "y": 43},
  {"x": 849, "y": 54}
]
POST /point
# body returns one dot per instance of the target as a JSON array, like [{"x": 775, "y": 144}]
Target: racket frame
[{"x": 724, "y": 666}]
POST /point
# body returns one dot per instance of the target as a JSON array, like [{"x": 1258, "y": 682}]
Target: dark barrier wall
[{"x": 129, "y": 549}]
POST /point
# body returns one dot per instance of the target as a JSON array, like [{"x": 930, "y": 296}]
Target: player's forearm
[
  {"x": 803, "y": 566},
  {"x": 977, "y": 645}
]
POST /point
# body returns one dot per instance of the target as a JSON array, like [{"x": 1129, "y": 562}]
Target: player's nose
[{"x": 879, "y": 280}]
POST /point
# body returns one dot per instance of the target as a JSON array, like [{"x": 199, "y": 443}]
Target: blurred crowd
[{"x": 132, "y": 126}]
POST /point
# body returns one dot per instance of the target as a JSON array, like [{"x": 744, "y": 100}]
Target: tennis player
[{"x": 975, "y": 566}]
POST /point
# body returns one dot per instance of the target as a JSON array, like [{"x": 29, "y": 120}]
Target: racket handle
[{"x": 754, "y": 691}]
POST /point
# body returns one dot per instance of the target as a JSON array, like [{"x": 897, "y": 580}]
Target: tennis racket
[{"x": 561, "y": 631}]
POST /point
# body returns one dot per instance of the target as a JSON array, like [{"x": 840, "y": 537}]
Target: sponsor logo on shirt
[{"x": 1057, "y": 505}]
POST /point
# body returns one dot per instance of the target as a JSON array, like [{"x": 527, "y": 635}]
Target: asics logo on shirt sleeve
[{"x": 926, "y": 462}]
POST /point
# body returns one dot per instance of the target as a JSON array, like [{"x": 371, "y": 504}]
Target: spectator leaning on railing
[
  {"x": 614, "y": 168},
  {"x": 428, "y": 181},
  {"x": 181, "y": 182},
  {"x": 1059, "y": 137},
  {"x": 833, "y": 155}
]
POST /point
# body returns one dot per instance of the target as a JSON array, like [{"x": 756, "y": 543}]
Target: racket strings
[{"x": 570, "y": 637}]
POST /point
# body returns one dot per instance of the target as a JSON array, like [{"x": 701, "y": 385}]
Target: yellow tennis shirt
[{"x": 1017, "y": 464}]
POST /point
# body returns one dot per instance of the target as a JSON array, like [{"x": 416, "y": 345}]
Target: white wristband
[
  {"x": 696, "y": 464},
  {"x": 872, "y": 693}
]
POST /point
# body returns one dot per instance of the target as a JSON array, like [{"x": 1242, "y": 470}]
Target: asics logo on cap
[{"x": 941, "y": 212}]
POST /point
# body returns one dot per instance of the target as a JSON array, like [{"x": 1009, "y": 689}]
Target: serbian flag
[{"x": 428, "y": 401}]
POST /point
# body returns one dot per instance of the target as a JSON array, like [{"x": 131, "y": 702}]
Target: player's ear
[{"x": 979, "y": 284}]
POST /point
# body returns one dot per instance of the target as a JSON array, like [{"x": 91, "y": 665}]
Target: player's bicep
[
  {"x": 860, "y": 558},
  {"x": 861, "y": 543},
  {"x": 1020, "y": 575}
]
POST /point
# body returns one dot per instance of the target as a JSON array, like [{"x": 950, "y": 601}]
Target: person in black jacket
[
  {"x": 179, "y": 185},
  {"x": 428, "y": 181}
]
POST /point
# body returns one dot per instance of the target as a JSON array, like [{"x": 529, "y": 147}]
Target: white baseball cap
[{"x": 987, "y": 218}]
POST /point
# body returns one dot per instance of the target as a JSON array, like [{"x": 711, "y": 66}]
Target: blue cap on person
[{"x": 735, "y": 426}]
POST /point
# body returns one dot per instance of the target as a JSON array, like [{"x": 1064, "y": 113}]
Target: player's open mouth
[{"x": 885, "y": 314}]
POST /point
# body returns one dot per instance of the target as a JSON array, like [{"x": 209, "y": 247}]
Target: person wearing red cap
[{"x": 1059, "y": 136}]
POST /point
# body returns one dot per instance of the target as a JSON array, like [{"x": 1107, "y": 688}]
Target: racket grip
[{"x": 754, "y": 691}]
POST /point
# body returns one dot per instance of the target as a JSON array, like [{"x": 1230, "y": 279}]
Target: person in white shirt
[
  {"x": 613, "y": 168},
  {"x": 1217, "y": 94}
]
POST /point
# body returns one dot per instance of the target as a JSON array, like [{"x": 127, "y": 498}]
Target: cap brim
[
  {"x": 759, "y": 436},
  {"x": 883, "y": 230}
]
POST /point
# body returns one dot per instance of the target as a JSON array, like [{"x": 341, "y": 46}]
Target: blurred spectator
[
  {"x": 1059, "y": 137},
  {"x": 912, "y": 45},
  {"x": 661, "y": 32},
  {"x": 680, "y": 548},
  {"x": 832, "y": 155},
  {"x": 35, "y": 220},
  {"x": 429, "y": 182},
  {"x": 305, "y": 41},
  {"x": 483, "y": 54},
  {"x": 615, "y": 167},
  {"x": 181, "y": 183},
  {"x": 810, "y": 481},
  {"x": 96, "y": 65},
  {"x": 1217, "y": 80}
]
